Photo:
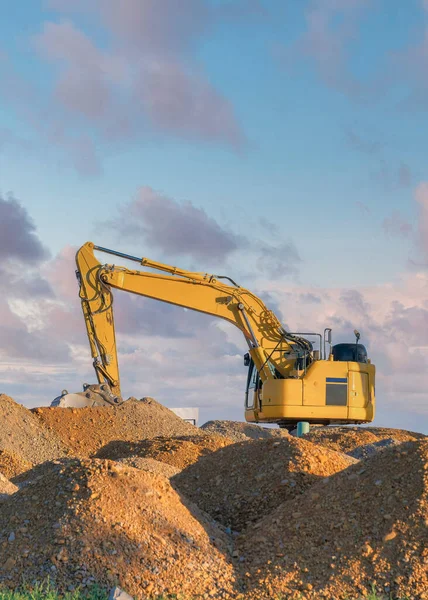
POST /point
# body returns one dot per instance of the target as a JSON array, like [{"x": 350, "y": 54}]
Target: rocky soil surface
[
  {"x": 285, "y": 517},
  {"x": 240, "y": 432},
  {"x": 365, "y": 525},
  {"x": 24, "y": 435},
  {"x": 11, "y": 464},
  {"x": 84, "y": 431},
  {"x": 178, "y": 452},
  {"x": 151, "y": 465},
  {"x": 81, "y": 521},
  {"x": 6, "y": 488},
  {"x": 245, "y": 481},
  {"x": 354, "y": 440}
]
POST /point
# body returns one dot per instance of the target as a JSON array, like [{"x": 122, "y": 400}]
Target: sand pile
[
  {"x": 240, "y": 432},
  {"x": 6, "y": 487},
  {"x": 360, "y": 442},
  {"x": 86, "y": 430},
  {"x": 12, "y": 464},
  {"x": 151, "y": 465},
  {"x": 97, "y": 521},
  {"x": 22, "y": 434},
  {"x": 366, "y": 525},
  {"x": 239, "y": 484},
  {"x": 179, "y": 451}
]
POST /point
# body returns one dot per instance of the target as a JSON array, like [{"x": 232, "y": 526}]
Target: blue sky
[{"x": 318, "y": 133}]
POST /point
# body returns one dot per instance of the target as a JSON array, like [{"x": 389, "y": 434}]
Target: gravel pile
[
  {"x": 239, "y": 484},
  {"x": 90, "y": 521},
  {"x": 178, "y": 451},
  {"x": 366, "y": 525},
  {"x": 22, "y": 434},
  {"x": 6, "y": 488},
  {"x": 309, "y": 520},
  {"x": 86, "y": 430},
  {"x": 151, "y": 465},
  {"x": 351, "y": 439},
  {"x": 240, "y": 432},
  {"x": 12, "y": 464}
]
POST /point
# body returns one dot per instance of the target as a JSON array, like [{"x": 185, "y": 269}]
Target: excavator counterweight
[{"x": 288, "y": 381}]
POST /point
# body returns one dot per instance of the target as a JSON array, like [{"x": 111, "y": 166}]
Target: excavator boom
[{"x": 197, "y": 291}]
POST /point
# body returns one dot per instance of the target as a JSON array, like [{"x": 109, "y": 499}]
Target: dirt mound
[
  {"x": 353, "y": 440},
  {"x": 6, "y": 487},
  {"x": 151, "y": 465},
  {"x": 178, "y": 451},
  {"x": 85, "y": 430},
  {"x": 367, "y": 525},
  {"x": 97, "y": 521},
  {"x": 239, "y": 432},
  {"x": 240, "y": 483},
  {"x": 12, "y": 464},
  {"x": 22, "y": 434}
]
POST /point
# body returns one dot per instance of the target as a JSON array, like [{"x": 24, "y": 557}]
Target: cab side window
[{"x": 253, "y": 384}]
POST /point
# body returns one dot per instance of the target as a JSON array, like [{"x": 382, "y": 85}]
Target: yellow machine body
[
  {"x": 330, "y": 392},
  {"x": 287, "y": 380}
]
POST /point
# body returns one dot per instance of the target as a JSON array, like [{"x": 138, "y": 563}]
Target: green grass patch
[{"x": 46, "y": 591}]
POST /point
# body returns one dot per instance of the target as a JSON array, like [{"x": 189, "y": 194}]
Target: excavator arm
[
  {"x": 272, "y": 349},
  {"x": 287, "y": 380}
]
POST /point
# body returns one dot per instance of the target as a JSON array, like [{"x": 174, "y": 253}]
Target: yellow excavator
[{"x": 288, "y": 380}]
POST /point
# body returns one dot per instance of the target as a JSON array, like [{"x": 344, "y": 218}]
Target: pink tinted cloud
[
  {"x": 181, "y": 100},
  {"x": 331, "y": 26},
  {"x": 60, "y": 272},
  {"x": 18, "y": 235},
  {"x": 146, "y": 79},
  {"x": 174, "y": 228}
]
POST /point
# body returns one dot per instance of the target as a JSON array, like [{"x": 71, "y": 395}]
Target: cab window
[{"x": 252, "y": 384}]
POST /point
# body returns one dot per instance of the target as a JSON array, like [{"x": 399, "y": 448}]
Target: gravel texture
[
  {"x": 366, "y": 525},
  {"x": 350, "y": 439},
  {"x": 151, "y": 465},
  {"x": 239, "y": 484},
  {"x": 293, "y": 518},
  {"x": 12, "y": 464},
  {"x": 6, "y": 487},
  {"x": 86, "y": 430},
  {"x": 86, "y": 521},
  {"x": 24, "y": 435},
  {"x": 240, "y": 432},
  {"x": 178, "y": 452}
]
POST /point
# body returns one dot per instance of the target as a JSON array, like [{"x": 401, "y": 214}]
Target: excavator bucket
[{"x": 92, "y": 395}]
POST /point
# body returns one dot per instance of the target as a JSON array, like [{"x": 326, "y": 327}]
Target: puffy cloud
[
  {"x": 182, "y": 101},
  {"x": 409, "y": 67},
  {"x": 310, "y": 298},
  {"x": 175, "y": 229},
  {"x": 26, "y": 295},
  {"x": 277, "y": 261},
  {"x": 60, "y": 272},
  {"x": 331, "y": 25},
  {"x": 144, "y": 79},
  {"x": 18, "y": 238}
]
